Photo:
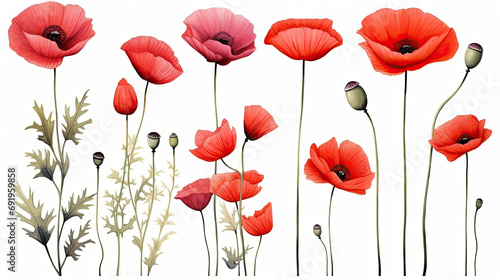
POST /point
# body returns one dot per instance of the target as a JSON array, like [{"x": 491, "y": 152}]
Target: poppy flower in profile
[
  {"x": 125, "y": 100},
  {"x": 228, "y": 185},
  {"x": 258, "y": 122},
  {"x": 44, "y": 34},
  {"x": 219, "y": 35},
  {"x": 196, "y": 195},
  {"x": 153, "y": 59},
  {"x": 345, "y": 167},
  {"x": 460, "y": 135},
  {"x": 261, "y": 222},
  {"x": 406, "y": 40},
  {"x": 303, "y": 39},
  {"x": 212, "y": 146}
]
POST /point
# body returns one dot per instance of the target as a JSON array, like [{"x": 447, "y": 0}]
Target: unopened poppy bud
[
  {"x": 98, "y": 158},
  {"x": 473, "y": 55},
  {"x": 356, "y": 96},
  {"x": 317, "y": 230},
  {"x": 153, "y": 140},
  {"x": 479, "y": 203},
  {"x": 173, "y": 140}
]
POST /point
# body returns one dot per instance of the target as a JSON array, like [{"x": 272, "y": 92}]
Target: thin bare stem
[
  {"x": 330, "y": 230},
  {"x": 206, "y": 243},
  {"x": 404, "y": 172},
  {"x": 256, "y": 253},
  {"x": 298, "y": 165},
  {"x": 97, "y": 222}
]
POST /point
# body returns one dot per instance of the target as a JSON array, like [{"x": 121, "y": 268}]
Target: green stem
[
  {"x": 466, "y": 202},
  {"x": 150, "y": 210},
  {"x": 119, "y": 253},
  {"x": 298, "y": 165},
  {"x": 206, "y": 243},
  {"x": 429, "y": 171},
  {"x": 50, "y": 258},
  {"x": 256, "y": 253},
  {"x": 97, "y": 222},
  {"x": 238, "y": 248},
  {"x": 475, "y": 236},
  {"x": 326, "y": 255},
  {"x": 242, "y": 175},
  {"x": 404, "y": 172},
  {"x": 215, "y": 172},
  {"x": 61, "y": 167},
  {"x": 330, "y": 231},
  {"x": 377, "y": 203}
]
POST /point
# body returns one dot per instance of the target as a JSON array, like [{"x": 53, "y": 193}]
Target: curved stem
[
  {"x": 215, "y": 172},
  {"x": 377, "y": 204},
  {"x": 150, "y": 210},
  {"x": 50, "y": 258},
  {"x": 298, "y": 164},
  {"x": 329, "y": 230},
  {"x": 59, "y": 229},
  {"x": 238, "y": 249},
  {"x": 475, "y": 236},
  {"x": 242, "y": 174},
  {"x": 429, "y": 171},
  {"x": 97, "y": 222},
  {"x": 404, "y": 172},
  {"x": 119, "y": 254},
  {"x": 326, "y": 255},
  {"x": 466, "y": 202},
  {"x": 206, "y": 243},
  {"x": 256, "y": 253}
]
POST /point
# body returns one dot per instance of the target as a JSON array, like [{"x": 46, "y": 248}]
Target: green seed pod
[
  {"x": 479, "y": 203},
  {"x": 173, "y": 140},
  {"x": 473, "y": 55},
  {"x": 98, "y": 158},
  {"x": 153, "y": 140},
  {"x": 356, "y": 96},
  {"x": 317, "y": 230}
]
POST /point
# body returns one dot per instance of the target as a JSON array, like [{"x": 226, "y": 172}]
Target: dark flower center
[
  {"x": 405, "y": 46},
  {"x": 342, "y": 172},
  {"x": 464, "y": 139},
  {"x": 224, "y": 38},
  {"x": 55, "y": 33}
]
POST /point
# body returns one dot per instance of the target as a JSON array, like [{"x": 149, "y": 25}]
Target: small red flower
[
  {"x": 261, "y": 223},
  {"x": 228, "y": 185},
  {"x": 406, "y": 40},
  {"x": 44, "y": 34},
  {"x": 219, "y": 35},
  {"x": 216, "y": 145},
  {"x": 460, "y": 135},
  {"x": 125, "y": 100},
  {"x": 258, "y": 122},
  {"x": 153, "y": 59},
  {"x": 303, "y": 39},
  {"x": 196, "y": 195},
  {"x": 345, "y": 167}
]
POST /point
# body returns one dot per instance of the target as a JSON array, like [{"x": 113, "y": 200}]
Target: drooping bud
[
  {"x": 98, "y": 158},
  {"x": 479, "y": 203},
  {"x": 153, "y": 140},
  {"x": 356, "y": 96},
  {"x": 173, "y": 140},
  {"x": 317, "y": 230},
  {"x": 473, "y": 55}
]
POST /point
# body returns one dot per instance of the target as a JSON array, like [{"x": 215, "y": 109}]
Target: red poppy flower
[
  {"x": 213, "y": 146},
  {"x": 303, "y": 39},
  {"x": 345, "y": 167},
  {"x": 228, "y": 185},
  {"x": 44, "y": 34},
  {"x": 153, "y": 59},
  {"x": 125, "y": 100},
  {"x": 460, "y": 135},
  {"x": 258, "y": 122},
  {"x": 406, "y": 40},
  {"x": 219, "y": 35},
  {"x": 196, "y": 195},
  {"x": 261, "y": 223}
]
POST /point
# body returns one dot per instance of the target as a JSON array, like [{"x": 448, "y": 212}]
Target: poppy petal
[
  {"x": 330, "y": 152},
  {"x": 313, "y": 174},
  {"x": 354, "y": 158}
]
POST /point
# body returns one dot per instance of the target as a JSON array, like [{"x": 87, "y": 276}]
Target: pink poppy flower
[
  {"x": 196, "y": 195},
  {"x": 219, "y": 35}
]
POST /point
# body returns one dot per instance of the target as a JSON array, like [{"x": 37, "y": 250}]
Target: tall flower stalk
[
  {"x": 98, "y": 158},
  {"x": 479, "y": 204}
]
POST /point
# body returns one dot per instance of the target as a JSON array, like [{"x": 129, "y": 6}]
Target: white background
[{"x": 270, "y": 79}]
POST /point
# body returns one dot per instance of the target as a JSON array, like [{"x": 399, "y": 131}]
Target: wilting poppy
[
  {"x": 125, "y": 100},
  {"x": 228, "y": 185},
  {"x": 406, "y": 40},
  {"x": 303, "y": 39},
  {"x": 219, "y": 35},
  {"x": 258, "y": 122},
  {"x": 44, "y": 34},
  {"x": 261, "y": 222},
  {"x": 345, "y": 167},
  {"x": 153, "y": 59},
  {"x": 460, "y": 135},
  {"x": 212, "y": 146},
  {"x": 196, "y": 195}
]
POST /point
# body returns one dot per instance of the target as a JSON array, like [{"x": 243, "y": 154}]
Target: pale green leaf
[
  {"x": 229, "y": 220},
  {"x": 72, "y": 127},
  {"x": 75, "y": 207},
  {"x": 74, "y": 244},
  {"x": 45, "y": 165},
  {"x": 46, "y": 126}
]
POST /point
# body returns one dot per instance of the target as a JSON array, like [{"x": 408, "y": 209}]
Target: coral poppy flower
[
  {"x": 125, "y": 100},
  {"x": 345, "y": 167},
  {"x": 460, "y": 135},
  {"x": 406, "y": 40},
  {"x": 228, "y": 185},
  {"x": 261, "y": 223},
  {"x": 219, "y": 35},
  {"x": 44, "y": 34},
  {"x": 196, "y": 195},
  {"x": 303, "y": 39},
  {"x": 216, "y": 145},
  {"x": 153, "y": 59},
  {"x": 258, "y": 122}
]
